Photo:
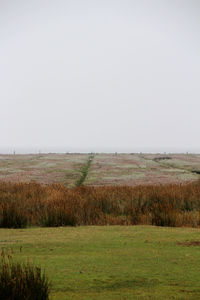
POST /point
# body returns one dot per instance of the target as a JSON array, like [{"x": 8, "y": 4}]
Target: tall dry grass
[{"x": 55, "y": 205}]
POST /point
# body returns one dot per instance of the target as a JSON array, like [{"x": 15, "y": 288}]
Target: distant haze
[{"x": 99, "y": 76}]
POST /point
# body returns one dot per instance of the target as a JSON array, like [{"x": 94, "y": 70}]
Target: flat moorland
[
  {"x": 105, "y": 262},
  {"x": 112, "y": 262},
  {"x": 105, "y": 169}
]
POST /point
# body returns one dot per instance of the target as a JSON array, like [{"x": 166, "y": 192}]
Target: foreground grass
[{"x": 113, "y": 262}]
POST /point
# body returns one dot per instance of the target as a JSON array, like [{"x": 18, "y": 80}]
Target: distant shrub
[
  {"x": 22, "y": 281},
  {"x": 196, "y": 172},
  {"x": 162, "y": 158}
]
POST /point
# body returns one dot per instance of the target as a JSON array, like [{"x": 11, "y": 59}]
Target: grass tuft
[{"x": 22, "y": 281}]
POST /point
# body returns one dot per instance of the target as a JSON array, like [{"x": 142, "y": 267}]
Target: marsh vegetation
[{"x": 33, "y": 204}]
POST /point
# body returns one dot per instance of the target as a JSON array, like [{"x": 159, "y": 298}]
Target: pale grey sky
[{"x": 119, "y": 74}]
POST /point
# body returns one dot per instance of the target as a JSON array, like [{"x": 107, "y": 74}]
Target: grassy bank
[{"x": 112, "y": 262}]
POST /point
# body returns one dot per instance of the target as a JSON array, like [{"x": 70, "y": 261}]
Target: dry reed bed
[{"x": 25, "y": 204}]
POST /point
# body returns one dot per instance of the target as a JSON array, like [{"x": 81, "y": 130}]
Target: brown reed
[{"x": 25, "y": 204}]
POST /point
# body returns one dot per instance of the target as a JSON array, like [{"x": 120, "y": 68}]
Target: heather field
[{"x": 105, "y": 169}]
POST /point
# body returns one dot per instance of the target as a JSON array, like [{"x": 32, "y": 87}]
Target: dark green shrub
[{"x": 22, "y": 281}]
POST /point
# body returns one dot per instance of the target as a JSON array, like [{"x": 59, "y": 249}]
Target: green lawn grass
[{"x": 112, "y": 262}]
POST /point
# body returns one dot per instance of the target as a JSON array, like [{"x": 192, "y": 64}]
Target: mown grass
[{"x": 112, "y": 262}]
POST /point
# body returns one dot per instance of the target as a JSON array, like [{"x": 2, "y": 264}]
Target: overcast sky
[{"x": 119, "y": 74}]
